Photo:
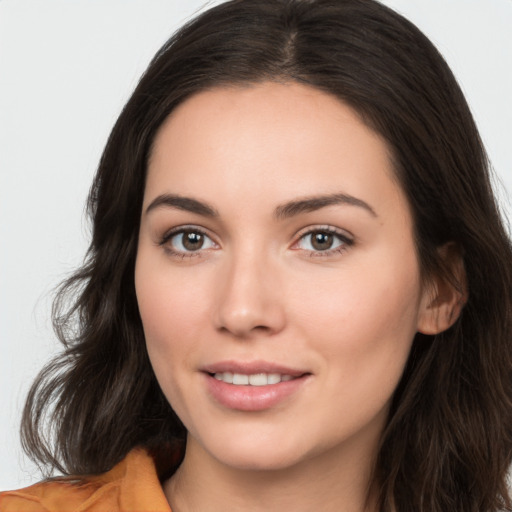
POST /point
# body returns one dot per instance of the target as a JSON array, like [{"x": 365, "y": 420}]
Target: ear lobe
[{"x": 444, "y": 295}]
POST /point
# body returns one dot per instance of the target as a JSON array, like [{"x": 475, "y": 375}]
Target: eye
[
  {"x": 325, "y": 240},
  {"x": 186, "y": 241}
]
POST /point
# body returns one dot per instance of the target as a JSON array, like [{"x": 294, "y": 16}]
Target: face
[{"x": 276, "y": 275}]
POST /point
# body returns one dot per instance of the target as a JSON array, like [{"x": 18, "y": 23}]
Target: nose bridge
[{"x": 248, "y": 299}]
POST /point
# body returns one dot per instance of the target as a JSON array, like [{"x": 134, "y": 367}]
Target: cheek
[
  {"x": 167, "y": 313},
  {"x": 169, "y": 322},
  {"x": 169, "y": 309},
  {"x": 363, "y": 324},
  {"x": 364, "y": 317},
  {"x": 168, "y": 301}
]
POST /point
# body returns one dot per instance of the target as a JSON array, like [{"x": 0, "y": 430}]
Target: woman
[{"x": 298, "y": 291}]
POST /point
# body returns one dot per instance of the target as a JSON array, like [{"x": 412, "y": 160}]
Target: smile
[
  {"x": 255, "y": 386},
  {"x": 256, "y": 379}
]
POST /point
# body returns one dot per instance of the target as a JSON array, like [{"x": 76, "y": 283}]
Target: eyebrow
[
  {"x": 183, "y": 203},
  {"x": 285, "y": 211},
  {"x": 309, "y": 204}
]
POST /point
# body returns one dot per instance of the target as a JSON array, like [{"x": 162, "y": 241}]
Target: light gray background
[{"x": 66, "y": 69}]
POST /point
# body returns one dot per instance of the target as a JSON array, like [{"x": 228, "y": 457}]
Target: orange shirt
[{"x": 131, "y": 486}]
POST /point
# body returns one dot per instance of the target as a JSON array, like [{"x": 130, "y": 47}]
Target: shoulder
[
  {"x": 132, "y": 485},
  {"x": 48, "y": 496}
]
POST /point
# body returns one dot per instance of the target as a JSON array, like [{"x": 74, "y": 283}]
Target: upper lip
[{"x": 251, "y": 368}]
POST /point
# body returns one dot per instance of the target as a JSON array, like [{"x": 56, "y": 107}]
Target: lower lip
[{"x": 253, "y": 398}]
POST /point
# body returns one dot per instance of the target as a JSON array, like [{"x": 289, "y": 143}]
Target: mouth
[
  {"x": 255, "y": 386},
  {"x": 252, "y": 373},
  {"x": 254, "y": 379}
]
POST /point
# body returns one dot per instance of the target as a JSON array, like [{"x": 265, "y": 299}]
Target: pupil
[
  {"x": 192, "y": 241},
  {"x": 322, "y": 241}
]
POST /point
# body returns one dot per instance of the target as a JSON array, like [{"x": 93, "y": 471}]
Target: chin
[
  {"x": 259, "y": 461},
  {"x": 254, "y": 453}
]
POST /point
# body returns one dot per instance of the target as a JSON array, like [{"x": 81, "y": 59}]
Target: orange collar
[{"x": 131, "y": 486}]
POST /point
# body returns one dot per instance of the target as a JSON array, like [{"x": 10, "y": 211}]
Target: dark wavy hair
[{"x": 447, "y": 444}]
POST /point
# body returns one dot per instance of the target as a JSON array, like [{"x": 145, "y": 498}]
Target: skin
[{"x": 259, "y": 290}]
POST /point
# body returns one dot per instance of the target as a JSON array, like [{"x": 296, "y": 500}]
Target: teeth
[
  {"x": 225, "y": 377},
  {"x": 257, "y": 379},
  {"x": 240, "y": 380},
  {"x": 273, "y": 378}
]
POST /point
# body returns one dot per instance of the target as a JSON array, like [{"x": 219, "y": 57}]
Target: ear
[{"x": 444, "y": 296}]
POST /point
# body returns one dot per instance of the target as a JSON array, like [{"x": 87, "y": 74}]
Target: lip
[
  {"x": 253, "y": 398},
  {"x": 252, "y": 367}
]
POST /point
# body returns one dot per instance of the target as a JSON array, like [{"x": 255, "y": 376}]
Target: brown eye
[
  {"x": 321, "y": 241},
  {"x": 188, "y": 240},
  {"x": 192, "y": 241}
]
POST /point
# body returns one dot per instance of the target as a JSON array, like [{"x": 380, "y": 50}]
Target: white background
[{"x": 66, "y": 69}]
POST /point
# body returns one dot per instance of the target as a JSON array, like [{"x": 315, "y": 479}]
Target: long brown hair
[{"x": 447, "y": 444}]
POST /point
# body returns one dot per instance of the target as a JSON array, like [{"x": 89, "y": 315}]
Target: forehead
[{"x": 268, "y": 143}]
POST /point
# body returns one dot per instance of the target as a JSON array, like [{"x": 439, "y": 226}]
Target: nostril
[{"x": 261, "y": 328}]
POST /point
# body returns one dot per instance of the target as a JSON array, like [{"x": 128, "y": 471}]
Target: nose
[{"x": 249, "y": 302}]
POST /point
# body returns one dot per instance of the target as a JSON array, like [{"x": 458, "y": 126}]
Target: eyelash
[
  {"x": 343, "y": 238},
  {"x": 345, "y": 241},
  {"x": 169, "y": 235}
]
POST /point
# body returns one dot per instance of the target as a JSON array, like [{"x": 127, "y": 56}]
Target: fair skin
[{"x": 249, "y": 275}]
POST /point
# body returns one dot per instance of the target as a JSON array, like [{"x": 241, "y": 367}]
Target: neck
[{"x": 331, "y": 482}]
